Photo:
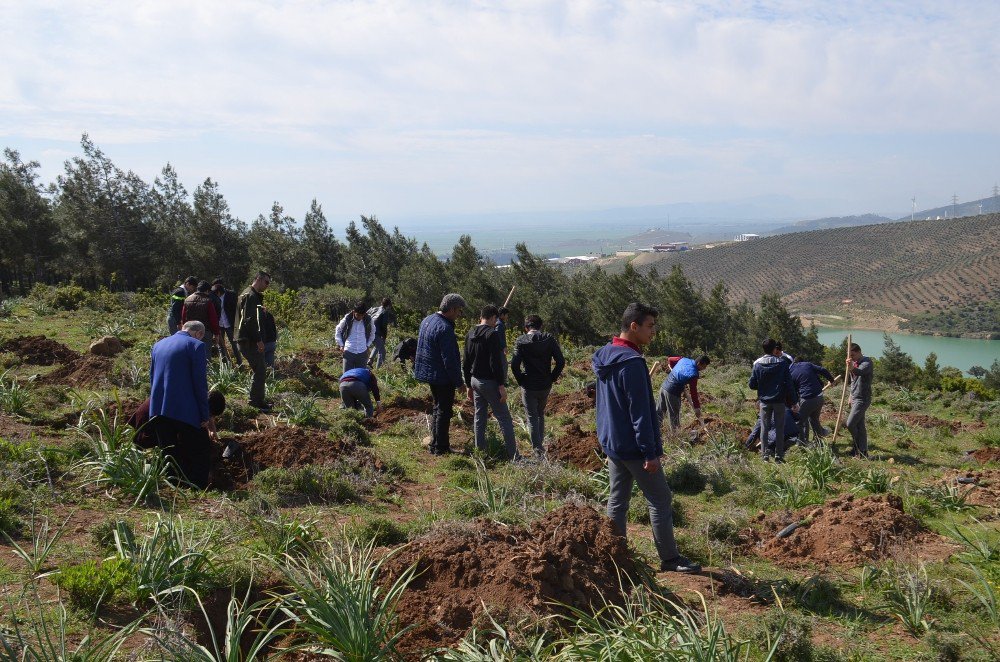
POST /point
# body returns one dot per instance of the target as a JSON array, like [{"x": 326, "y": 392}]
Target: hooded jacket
[
  {"x": 626, "y": 414},
  {"x": 437, "y": 361},
  {"x": 771, "y": 379},
  {"x": 531, "y": 364},
  {"x": 484, "y": 355}
]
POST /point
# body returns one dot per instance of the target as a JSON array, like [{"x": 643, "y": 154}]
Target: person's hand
[
  {"x": 471, "y": 393},
  {"x": 209, "y": 426},
  {"x": 651, "y": 466},
  {"x": 503, "y": 393},
  {"x": 260, "y": 346},
  {"x": 795, "y": 408},
  {"x": 378, "y": 408}
]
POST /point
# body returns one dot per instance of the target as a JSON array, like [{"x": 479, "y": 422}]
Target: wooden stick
[
  {"x": 843, "y": 395},
  {"x": 656, "y": 366},
  {"x": 835, "y": 380},
  {"x": 509, "y": 295}
]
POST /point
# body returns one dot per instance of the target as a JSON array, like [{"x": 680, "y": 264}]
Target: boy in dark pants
[
  {"x": 439, "y": 365},
  {"x": 773, "y": 383},
  {"x": 628, "y": 431}
]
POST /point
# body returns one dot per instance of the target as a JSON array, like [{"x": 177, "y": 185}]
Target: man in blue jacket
[
  {"x": 628, "y": 431},
  {"x": 439, "y": 365},
  {"x": 773, "y": 383},
  {"x": 178, "y": 400},
  {"x": 805, "y": 376}
]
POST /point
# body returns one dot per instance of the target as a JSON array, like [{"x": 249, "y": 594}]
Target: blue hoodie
[
  {"x": 771, "y": 379},
  {"x": 805, "y": 376},
  {"x": 626, "y": 413}
]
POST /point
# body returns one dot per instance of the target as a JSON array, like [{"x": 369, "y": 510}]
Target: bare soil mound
[
  {"x": 290, "y": 446},
  {"x": 714, "y": 426},
  {"x": 86, "y": 370},
  {"x": 401, "y": 410},
  {"x": 981, "y": 488},
  {"x": 987, "y": 454},
  {"x": 927, "y": 422},
  {"x": 575, "y": 404},
  {"x": 39, "y": 350},
  {"x": 571, "y": 556},
  {"x": 306, "y": 361},
  {"x": 575, "y": 447},
  {"x": 846, "y": 531}
]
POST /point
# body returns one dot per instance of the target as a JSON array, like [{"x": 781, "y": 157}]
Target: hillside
[
  {"x": 831, "y": 222},
  {"x": 990, "y": 205},
  {"x": 919, "y": 267}
]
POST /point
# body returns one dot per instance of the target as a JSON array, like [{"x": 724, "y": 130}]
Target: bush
[
  {"x": 66, "y": 297},
  {"x": 686, "y": 478},
  {"x": 90, "y": 584},
  {"x": 309, "y": 483},
  {"x": 347, "y": 427},
  {"x": 377, "y": 531}
]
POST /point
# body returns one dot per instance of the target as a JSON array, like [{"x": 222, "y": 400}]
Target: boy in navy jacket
[
  {"x": 773, "y": 382},
  {"x": 628, "y": 430}
]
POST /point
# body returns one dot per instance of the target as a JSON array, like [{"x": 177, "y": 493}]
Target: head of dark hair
[
  {"x": 488, "y": 312},
  {"x": 359, "y": 307},
  {"x": 216, "y": 403},
  {"x": 637, "y": 312},
  {"x": 703, "y": 360},
  {"x": 855, "y": 347},
  {"x": 203, "y": 286},
  {"x": 386, "y": 301},
  {"x": 503, "y": 310},
  {"x": 769, "y": 345},
  {"x": 218, "y": 281},
  {"x": 191, "y": 280},
  {"x": 777, "y": 346},
  {"x": 263, "y": 274},
  {"x": 533, "y": 322}
]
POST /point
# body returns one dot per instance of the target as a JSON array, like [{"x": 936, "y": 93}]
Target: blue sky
[{"x": 416, "y": 109}]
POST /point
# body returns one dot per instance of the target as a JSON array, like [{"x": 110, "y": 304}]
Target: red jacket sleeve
[
  {"x": 184, "y": 314},
  {"x": 213, "y": 320},
  {"x": 672, "y": 361}
]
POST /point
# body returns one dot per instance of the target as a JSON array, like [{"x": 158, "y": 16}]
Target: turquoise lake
[{"x": 961, "y": 353}]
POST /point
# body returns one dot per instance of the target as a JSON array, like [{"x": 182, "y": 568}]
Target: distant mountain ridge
[
  {"x": 990, "y": 205},
  {"x": 912, "y": 268},
  {"x": 831, "y": 222}
]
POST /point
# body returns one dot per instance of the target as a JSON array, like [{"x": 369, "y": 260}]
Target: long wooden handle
[
  {"x": 656, "y": 366},
  {"x": 835, "y": 380},
  {"x": 843, "y": 395},
  {"x": 507, "y": 301}
]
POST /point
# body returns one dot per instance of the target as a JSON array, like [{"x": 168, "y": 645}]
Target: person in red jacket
[{"x": 199, "y": 307}]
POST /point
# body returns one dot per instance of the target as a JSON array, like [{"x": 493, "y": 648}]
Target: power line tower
[
  {"x": 996, "y": 190},
  {"x": 913, "y": 209},
  {"x": 954, "y": 205}
]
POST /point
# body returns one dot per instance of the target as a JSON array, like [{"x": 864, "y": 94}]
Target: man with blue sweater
[
  {"x": 628, "y": 432},
  {"x": 439, "y": 365},
  {"x": 773, "y": 383},
  {"x": 684, "y": 372},
  {"x": 357, "y": 387},
  {"x": 805, "y": 376},
  {"x": 178, "y": 400}
]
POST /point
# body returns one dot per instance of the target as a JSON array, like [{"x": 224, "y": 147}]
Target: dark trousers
[
  {"x": 189, "y": 447},
  {"x": 772, "y": 415},
  {"x": 233, "y": 345},
  {"x": 444, "y": 405},
  {"x": 255, "y": 359}
]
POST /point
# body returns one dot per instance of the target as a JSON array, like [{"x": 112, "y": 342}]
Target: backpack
[{"x": 349, "y": 324}]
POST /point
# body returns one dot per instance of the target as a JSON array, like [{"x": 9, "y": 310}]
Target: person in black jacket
[
  {"x": 227, "y": 320},
  {"x": 534, "y": 354},
  {"x": 269, "y": 334},
  {"x": 485, "y": 373},
  {"x": 186, "y": 289}
]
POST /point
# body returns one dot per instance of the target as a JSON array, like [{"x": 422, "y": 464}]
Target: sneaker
[
  {"x": 680, "y": 564},
  {"x": 264, "y": 408}
]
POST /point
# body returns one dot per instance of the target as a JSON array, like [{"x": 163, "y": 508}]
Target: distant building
[
  {"x": 670, "y": 247},
  {"x": 746, "y": 237}
]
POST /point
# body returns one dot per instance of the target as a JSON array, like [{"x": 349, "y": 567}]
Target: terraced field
[{"x": 905, "y": 268}]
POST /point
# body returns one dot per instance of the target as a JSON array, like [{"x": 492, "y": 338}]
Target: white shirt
[{"x": 356, "y": 342}]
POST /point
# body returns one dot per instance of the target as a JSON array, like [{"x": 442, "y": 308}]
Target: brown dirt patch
[
  {"x": 982, "y": 488},
  {"x": 575, "y": 404},
  {"x": 714, "y": 426},
  {"x": 572, "y": 556},
  {"x": 87, "y": 370},
  {"x": 407, "y": 410},
  {"x": 987, "y": 454},
  {"x": 927, "y": 422},
  {"x": 575, "y": 447},
  {"x": 847, "y": 531},
  {"x": 303, "y": 362},
  {"x": 39, "y": 350},
  {"x": 14, "y": 429}
]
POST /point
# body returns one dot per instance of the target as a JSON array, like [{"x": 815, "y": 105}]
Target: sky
[{"x": 417, "y": 110}]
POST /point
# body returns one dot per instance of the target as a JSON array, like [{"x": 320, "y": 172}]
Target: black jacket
[
  {"x": 536, "y": 352},
  {"x": 229, "y": 306},
  {"x": 484, "y": 357},
  {"x": 268, "y": 329}
]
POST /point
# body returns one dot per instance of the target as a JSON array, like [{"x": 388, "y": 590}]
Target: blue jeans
[
  {"x": 654, "y": 487},
  {"x": 486, "y": 394}
]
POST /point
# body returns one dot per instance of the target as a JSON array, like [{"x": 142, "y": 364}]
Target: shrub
[
  {"x": 686, "y": 477},
  {"x": 378, "y": 531},
  {"x": 90, "y": 583},
  {"x": 282, "y": 536},
  {"x": 302, "y": 409},
  {"x": 907, "y": 596},
  {"x": 311, "y": 483},
  {"x": 347, "y": 426}
]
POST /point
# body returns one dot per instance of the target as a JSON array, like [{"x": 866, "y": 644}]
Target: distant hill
[
  {"x": 918, "y": 268},
  {"x": 990, "y": 205},
  {"x": 832, "y": 222}
]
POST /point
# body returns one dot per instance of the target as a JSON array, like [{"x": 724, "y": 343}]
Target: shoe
[
  {"x": 779, "y": 460},
  {"x": 264, "y": 408},
  {"x": 680, "y": 564},
  {"x": 766, "y": 458}
]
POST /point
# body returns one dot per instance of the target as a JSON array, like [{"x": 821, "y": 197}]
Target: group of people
[{"x": 482, "y": 370}]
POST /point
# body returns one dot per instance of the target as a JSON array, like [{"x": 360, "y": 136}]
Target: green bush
[
  {"x": 686, "y": 477},
  {"x": 347, "y": 427},
  {"x": 378, "y": 531},
  {"x": 90, "y": 583},
  {"x": 10, "y": 518},
  {"x": 309, "y": 483},
  {"x": 66, "y": 297}
]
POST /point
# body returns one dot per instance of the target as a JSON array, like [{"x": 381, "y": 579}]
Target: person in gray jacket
[{"x": 860, "y": 369}]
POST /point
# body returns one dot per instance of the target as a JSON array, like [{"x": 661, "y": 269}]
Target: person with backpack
[
  {"x": 177, "y": 297},
  {"x": 382, "y": 317},
  {"x": 249, "y": 335},
  {"x": 485, "y": 372},
  {"x": 199, "y": 307},
  {"x": 355, "y": 335},
  {"x": 775, "y": 391},
  {"x": 630, "y": 437},
  {"x": 532, "y": 365},
  {"x": 684, "y": 372}
]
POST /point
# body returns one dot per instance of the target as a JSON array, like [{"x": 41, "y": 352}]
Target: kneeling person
[{"x": 357, "y": 386}]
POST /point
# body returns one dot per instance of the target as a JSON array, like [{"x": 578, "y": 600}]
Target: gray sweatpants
[
  {"x": 669, "y": 405},
  {"x": 857, "y": 427},
  {"x": 776, "y": 409},
  {"x": 486, "y": 396},
  {"x": 534, "y": 405},
  {"x": 654, "y": 487},
  {"x": 356, "y": 396},
  {"x": 809, "y": 411},
  {"x": 352, "y": 360}
]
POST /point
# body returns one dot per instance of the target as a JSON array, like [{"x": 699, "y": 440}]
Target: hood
[
  {"x": 768, "y": 359},
  {"x": 481, "y": 332},
  {"x": 532, "y": 342},
  {"x": 611, "y": 357}
]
